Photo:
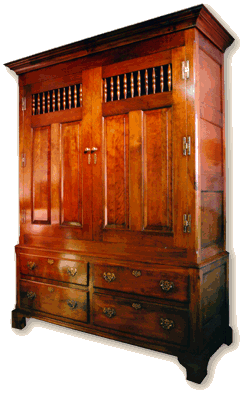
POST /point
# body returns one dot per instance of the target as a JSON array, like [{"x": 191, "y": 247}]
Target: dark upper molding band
[{"x": 197, "y": 16}]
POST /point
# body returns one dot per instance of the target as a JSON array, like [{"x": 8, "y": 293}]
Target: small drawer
[
  {"x": 69, "y": 271},
  {"x": 141, "y": 318},
  {"x": 60, "y": 301},
  {"x": 164, "y": 284}
]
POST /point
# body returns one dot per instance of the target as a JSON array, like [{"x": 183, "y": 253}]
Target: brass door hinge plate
[
  {"x": 186, "y": 146},
  {"x": 23, "y": 159},
  {"x": 185, "y": 70},
  {"x": 23, "y": 216},
  {"x": 24, "y": 103},
  {"x": 187, "y": 223}
]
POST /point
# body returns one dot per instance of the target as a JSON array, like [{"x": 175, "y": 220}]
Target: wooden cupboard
[{"x": 122, "y": 187}]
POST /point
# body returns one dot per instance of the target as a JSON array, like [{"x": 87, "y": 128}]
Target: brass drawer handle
[
  {"x": 71, "y": 272},
  {"x": 109, "y": 277},
  {"x": 50, "y": 289},
  {"x": 31, "y": 265},
  {"x": 166, "y": 323},
  {"x": 109, "y": 312},
  {"x": 136, "y": 306},
  {"x": 166, "y": 285},
  {"x": 51, "y": 261},
  {"x": 136, "y": 273},
  {"x": 31, "y": 295},
  {"x": 72, "y": 304}
]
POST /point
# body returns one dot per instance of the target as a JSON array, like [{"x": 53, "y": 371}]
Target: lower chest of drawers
[{"x": 130, "y": 298}]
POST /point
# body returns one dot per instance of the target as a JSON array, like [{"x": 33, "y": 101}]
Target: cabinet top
[{"x": 197, "y": 16}]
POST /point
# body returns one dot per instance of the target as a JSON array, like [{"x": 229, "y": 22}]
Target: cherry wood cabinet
[{"x": 122, "y": 187}]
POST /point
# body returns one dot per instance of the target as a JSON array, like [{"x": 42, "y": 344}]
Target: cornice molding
[{"x": 197, "y": 16}]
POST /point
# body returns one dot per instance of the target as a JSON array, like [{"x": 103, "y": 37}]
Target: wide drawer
[
  {"x": 69, "y": 271},
  {"x": 60, "y": 301},
  {"x": 141, "y": 318},
  {"x": 172, "y": 285}
]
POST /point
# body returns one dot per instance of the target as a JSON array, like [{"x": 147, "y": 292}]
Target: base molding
[{"x": 195, "y": 364}]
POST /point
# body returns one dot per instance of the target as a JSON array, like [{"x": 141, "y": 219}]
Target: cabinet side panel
[
  {"x": 213, "y": 293},
  {"x": 211, "y": 147},
  {"x": 211, "y": 218}
]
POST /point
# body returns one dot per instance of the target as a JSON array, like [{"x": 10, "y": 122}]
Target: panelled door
[
  {"x": 57, "y": 179},
  {"x": 104, "y": 154},
  {"x": 145, "y": 172}
]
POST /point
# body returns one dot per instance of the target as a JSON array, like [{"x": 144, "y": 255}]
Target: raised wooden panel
[
  {"x": 157, "y": 170},
  {"x": 116, "y": 171},
  {"x": 210, "y": 82},
  {"x": 71, "y": 175},
  {"x": 211, "y": 148},
  {"x": 213, "y": 293},
  {"x": 211, "y": 218},
  {"x": 41, "y": 176},
  {"x": 135, "y": 170}
]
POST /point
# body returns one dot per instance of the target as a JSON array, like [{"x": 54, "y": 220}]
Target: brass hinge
[
  {"x": 186, "y": 146},
  {"x": 24, "y": 103},
  {"x": 187, "y": 223},
  {"x": 185, "y": 70},
  {"x": 23, "y": 216},
  {"x": 23, "y": 159}
]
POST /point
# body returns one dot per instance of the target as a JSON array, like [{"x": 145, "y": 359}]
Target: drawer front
[
  {"x": 55, "y": 269},
  {"x": 161, "y": 284},
  {"x": 141, "y": 318},
  {"x": 61, "y": 301}
]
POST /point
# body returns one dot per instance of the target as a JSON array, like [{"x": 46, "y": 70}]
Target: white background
[{"x": 48, "y": 360}]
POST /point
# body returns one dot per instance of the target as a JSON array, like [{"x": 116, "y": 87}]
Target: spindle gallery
[
  {"x": 159, "y": 78},
  {"x": 59, "y": 96},
  {"x": 122, "y": 200}
]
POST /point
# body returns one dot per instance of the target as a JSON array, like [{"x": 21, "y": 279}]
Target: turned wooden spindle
[
  {"x": 169, "y": 77},
  {"x": 43, "y": 102},
  {"x": 146, "y": 81},
  {"x": 38, "y": 104},
  {"x": 64, "y": 98},
  {"x": 153, "y": 81},
  {"x": 59, "y": 99},
  {"x": 48, "y": 102},
  {"x": 105, "y": 90},
  {"x": 69, "y": 97},
  {"x": 125, "y": 86},
  {"x": 132, "y": 85},
  {"x": 53, "y": 101},
  {"x": 118, "y": 87},
  {"x": 33, "y": 105},
  {"x": 80, "y": 95},
  {"x": 112, "y": 89},
  {"x": 75, "y": 96},
  {"x": 161, "y": 79},
  {"x": 139, "y": 83}
]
